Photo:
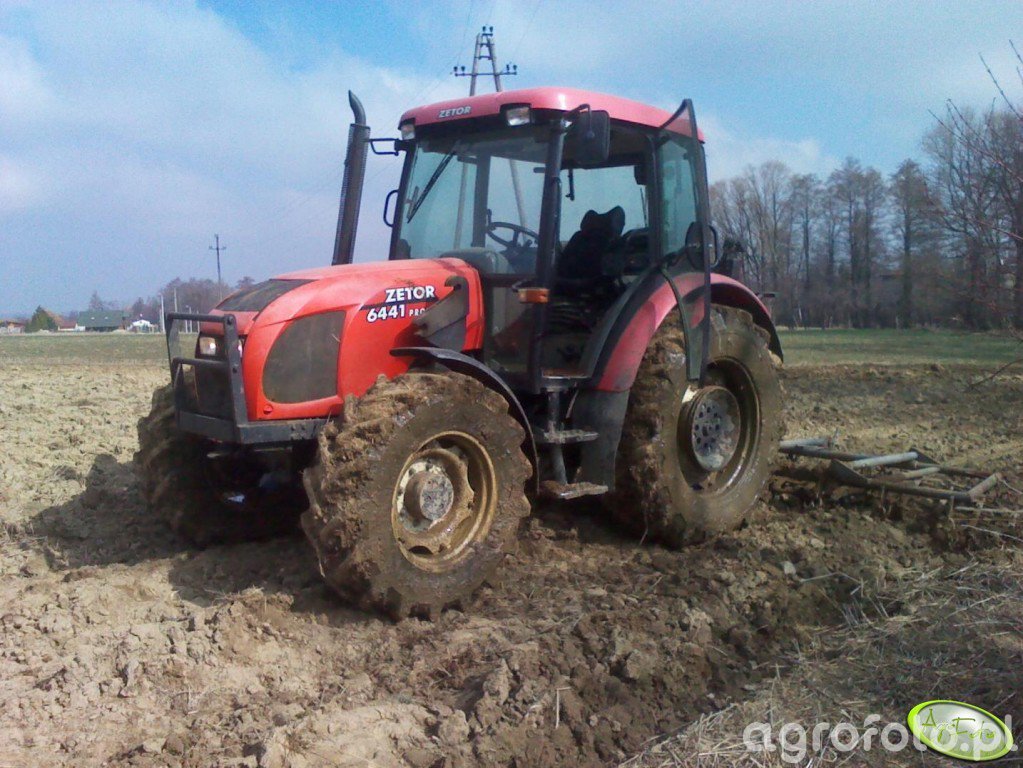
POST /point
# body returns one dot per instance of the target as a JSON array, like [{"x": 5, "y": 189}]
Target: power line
[
  {"x": 432, "y": 85},
  {"x": 525, "y": 31},
  {"x": 291, "y": 209}
]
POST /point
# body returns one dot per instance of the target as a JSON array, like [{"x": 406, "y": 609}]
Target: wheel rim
[
  {"x": 714, "y": 424},
  {"x": 444, "y": 500},
  {"x": 719, "y": 428}
]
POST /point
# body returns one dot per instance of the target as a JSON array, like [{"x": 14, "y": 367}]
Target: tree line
[
  {"x": 937, "y": 242},
  {"x": 193, "y": 294}
]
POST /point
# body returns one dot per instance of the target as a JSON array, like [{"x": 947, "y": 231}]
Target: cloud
[
  {"x": 729, "y": 153},
  {"x": 130, "y": 131},
  {"x": 23, "y": 92},
  {"x": 21, "y": 188},
  {"x": 136, "y": 131}
]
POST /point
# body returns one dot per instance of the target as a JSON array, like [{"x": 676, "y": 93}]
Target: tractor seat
[
  {"x": 581, "y": 292},
  {"x": 580, "y": 264}
]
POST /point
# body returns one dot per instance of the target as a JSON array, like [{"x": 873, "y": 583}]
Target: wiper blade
[{"x": 429, "y": 184}]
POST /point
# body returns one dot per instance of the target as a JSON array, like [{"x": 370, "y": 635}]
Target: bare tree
[
  {"x": 805, "y": 191},
  {"x": 940, "y": 240},
  {"x": 1005, "y": 141},
  {"x": 963, "y": 180},
  {"x": 910, "y": 198}
]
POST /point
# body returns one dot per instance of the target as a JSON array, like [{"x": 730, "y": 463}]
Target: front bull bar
[{"x": 235, "y": 426}]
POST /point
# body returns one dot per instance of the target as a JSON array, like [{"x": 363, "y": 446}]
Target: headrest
[{"x": 608, "y": 225}]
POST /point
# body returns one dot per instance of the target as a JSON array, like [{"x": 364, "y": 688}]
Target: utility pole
[
  {"x": 486, "y": 51},
  {"x": 218, "y": 248},
  {"x": 162, "y": 329}
]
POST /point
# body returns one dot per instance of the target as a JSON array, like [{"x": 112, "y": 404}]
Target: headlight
[
  {"x": 408, "y": 130},
  {"x": 518, "y": 116},
  {"x": 209, "y": 346}
]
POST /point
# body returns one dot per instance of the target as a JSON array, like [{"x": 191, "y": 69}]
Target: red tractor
[{"x": 553, "y": 321}]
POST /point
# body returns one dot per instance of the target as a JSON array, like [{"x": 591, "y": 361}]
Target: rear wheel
[
  {"x": 203, "y": 500},
  {"x": 692, "y": 462},
  {"x": 417, "y": 493}
]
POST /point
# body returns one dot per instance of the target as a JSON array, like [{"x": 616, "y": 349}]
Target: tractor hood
[
  {"x": 311, "y": 338},
  {"x": 404, "y": 284}
]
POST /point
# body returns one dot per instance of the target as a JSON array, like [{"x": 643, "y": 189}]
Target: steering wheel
[
  {"x": 521, "y": 255},
  {"x": 516, "y": 229}
]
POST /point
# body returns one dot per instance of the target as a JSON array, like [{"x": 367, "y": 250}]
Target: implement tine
[
  {"x": 983, "y": 486},
  {"x": 885, "y": 460},
  {"x": 916, "y": 465}
]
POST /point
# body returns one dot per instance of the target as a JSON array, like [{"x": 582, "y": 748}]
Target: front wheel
[
  {"x": 417, "y": 493},
  {"x": 693, "y": 461},
  {"x": 207, "y": 502}
]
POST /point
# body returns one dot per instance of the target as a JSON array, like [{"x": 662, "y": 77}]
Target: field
[
  {"x": 811, "y": 347},
  {"x": 122, "y": 646},
  {"x": 887, "y": 347}
]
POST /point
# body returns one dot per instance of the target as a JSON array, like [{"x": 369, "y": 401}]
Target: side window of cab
[{"x": 678, "y": 191}]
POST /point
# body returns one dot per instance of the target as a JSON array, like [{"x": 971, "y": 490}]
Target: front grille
[
  {"x": 209, "y": 395},
  {"x": 302, "y": 364},
  {"x": 213, "y": 392}
]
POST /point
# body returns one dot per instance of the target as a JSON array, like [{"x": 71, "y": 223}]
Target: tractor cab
[{"x": 563, "y": 201}]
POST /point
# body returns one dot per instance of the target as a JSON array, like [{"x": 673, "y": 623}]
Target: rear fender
[
  {"x": 624, "y": 350},
  {"x": 461, "y": 363}
]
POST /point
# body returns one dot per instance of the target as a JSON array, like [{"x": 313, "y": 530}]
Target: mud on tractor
[{"x": 553, "y": 321}]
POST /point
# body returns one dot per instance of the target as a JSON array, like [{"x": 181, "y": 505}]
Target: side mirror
[
  {"x": 392, "y": 195},
  {"x": 693, "y": 249},
  {"x": 589, "y": 138},
  {"x": 732, "y": 259}
]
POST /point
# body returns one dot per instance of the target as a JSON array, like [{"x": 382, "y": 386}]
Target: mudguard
[
  {"x": 619, "y": 361},
  {"x": 461, "y": 363},
  {"x": 601, "y": 407}
]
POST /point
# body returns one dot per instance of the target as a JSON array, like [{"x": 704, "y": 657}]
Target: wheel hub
[
  {"x": 429, "y": 495},
  {"x": 433, "y": 499},
  {"x": 713, "y": 423}
]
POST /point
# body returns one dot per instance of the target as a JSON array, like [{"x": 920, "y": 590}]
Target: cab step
[
  {"x": 551, "y": 489},
  {"x": 565, "y": 436}
]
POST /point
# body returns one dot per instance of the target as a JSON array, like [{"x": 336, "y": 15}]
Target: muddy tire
[
  {"x": 661, "y": 488},
  {"x": 417, "y": 493},
  {"x": 171, "y": 467}
]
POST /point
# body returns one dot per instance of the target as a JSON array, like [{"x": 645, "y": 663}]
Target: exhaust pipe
[{"x": 351, "y": 185}]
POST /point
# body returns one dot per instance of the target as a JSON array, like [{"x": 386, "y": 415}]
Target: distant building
[
  {"x": 105, "y": 320},
  {"x": 142, "y": 326},
  {"x": 8, "y": 327}
]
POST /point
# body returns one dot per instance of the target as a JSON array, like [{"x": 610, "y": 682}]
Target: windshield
[{"x": 476, "y": 191}]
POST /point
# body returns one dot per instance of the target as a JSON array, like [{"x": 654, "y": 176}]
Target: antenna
[{"x": 486, "y": 51}]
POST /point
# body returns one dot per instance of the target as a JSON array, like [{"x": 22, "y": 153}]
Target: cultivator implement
[{"x": 912, "y": 472}]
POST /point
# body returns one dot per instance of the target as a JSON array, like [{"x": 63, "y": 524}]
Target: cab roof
[{"x": 551, "y": 98}]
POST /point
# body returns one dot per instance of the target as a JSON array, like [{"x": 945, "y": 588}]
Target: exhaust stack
[{"x": 351, "y": 185}]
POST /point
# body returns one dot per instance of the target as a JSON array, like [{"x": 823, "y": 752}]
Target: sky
[{"x": 132, "y": 132}]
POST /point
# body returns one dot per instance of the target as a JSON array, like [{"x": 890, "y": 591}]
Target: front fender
[{"x": 462, "y": 363}]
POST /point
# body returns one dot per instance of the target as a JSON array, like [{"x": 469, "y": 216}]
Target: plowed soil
[{"x": 121, "y": 645}]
